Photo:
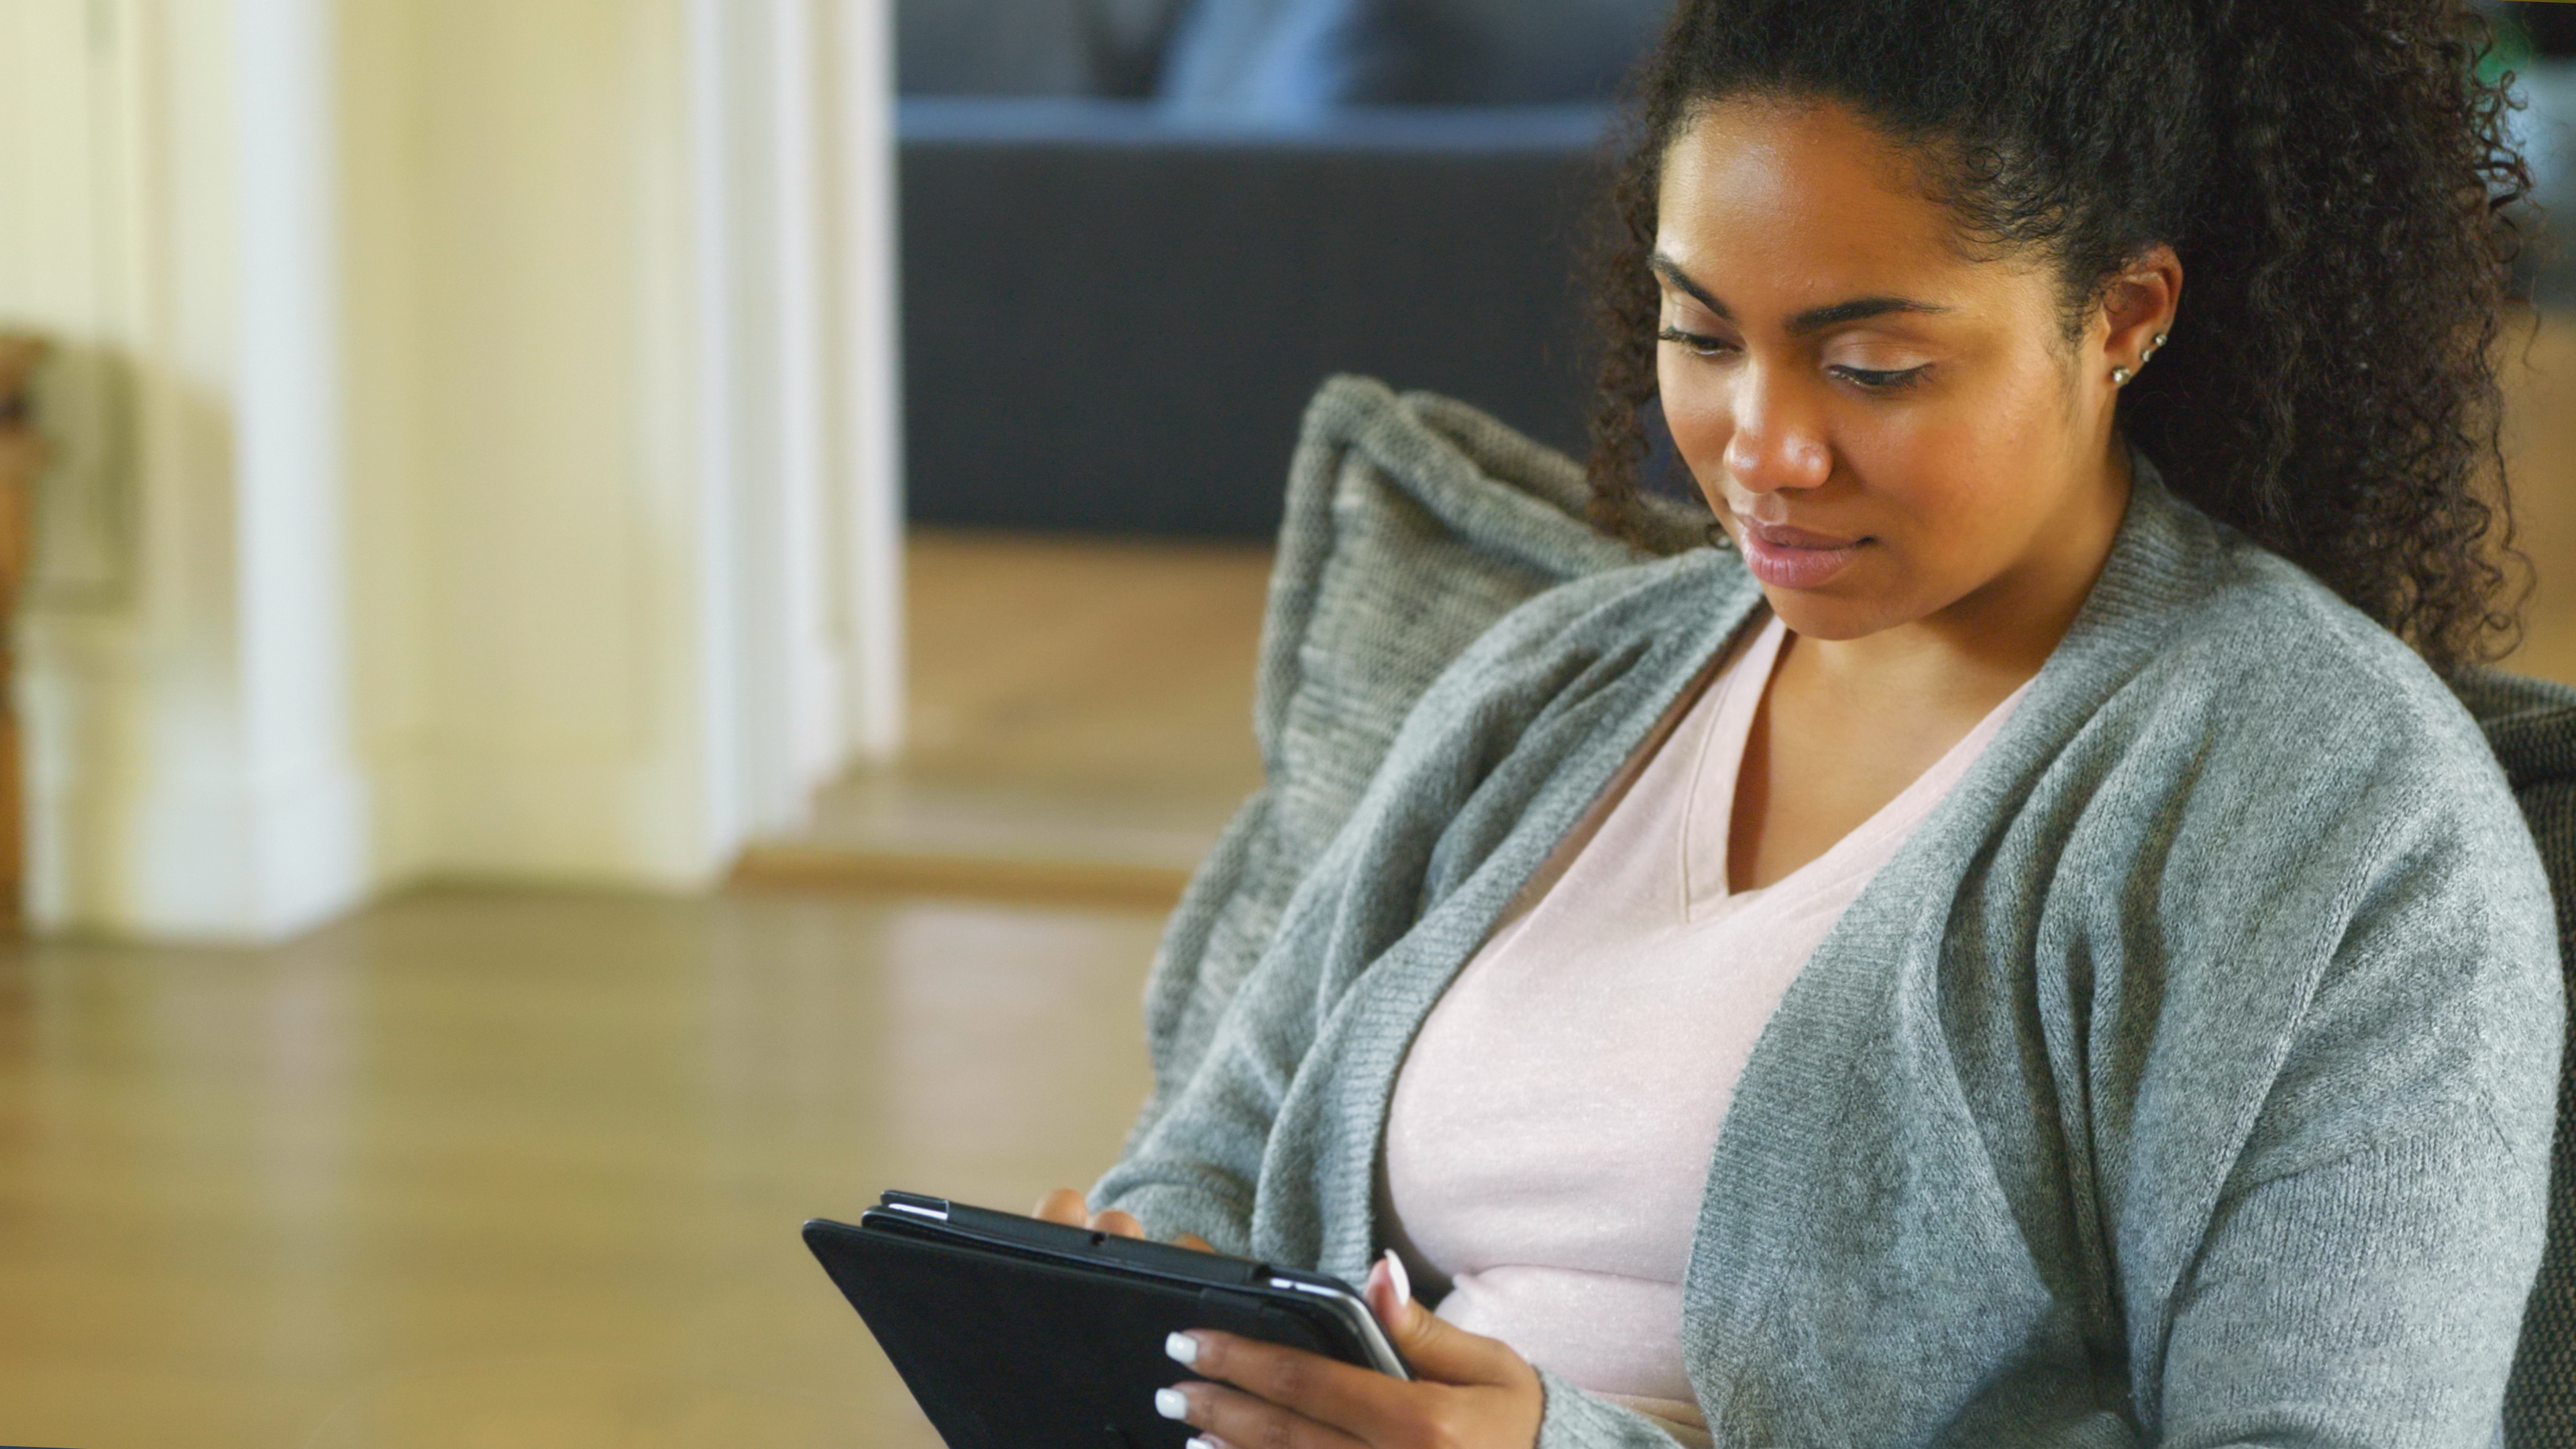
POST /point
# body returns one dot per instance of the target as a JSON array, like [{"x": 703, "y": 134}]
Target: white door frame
[{"x": 800, "y": 447}]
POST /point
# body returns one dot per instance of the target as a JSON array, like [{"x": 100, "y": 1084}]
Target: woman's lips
[{"x": 1794, "y": 558}]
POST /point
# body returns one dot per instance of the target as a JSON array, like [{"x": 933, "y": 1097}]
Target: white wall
[
  {"x": 498, "y": 500},
  {"x": 183, "y": 670},
  {"x": 522, "y": 437},
  {"x": 865, "y": 400}
]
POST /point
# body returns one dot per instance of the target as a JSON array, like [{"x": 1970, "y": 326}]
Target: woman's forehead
[{"x": 1806, "y": 198}]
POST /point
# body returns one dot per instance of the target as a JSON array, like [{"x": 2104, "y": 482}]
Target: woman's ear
[{"x": 2139, "y": 306}]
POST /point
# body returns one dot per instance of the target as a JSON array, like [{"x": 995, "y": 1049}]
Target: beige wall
[
  {"x": 426, "y": 492},
  {"x": 517, "y": 290},
  {"x": 182, "y": 647}
]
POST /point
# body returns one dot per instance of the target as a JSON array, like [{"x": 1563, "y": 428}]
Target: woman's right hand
[{"x": 1068, "y": 1206}]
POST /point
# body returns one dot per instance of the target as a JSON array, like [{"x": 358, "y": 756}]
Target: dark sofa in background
[
  {"x": 1111, "y": 324},
  {"x": 1137, "y": 233}
]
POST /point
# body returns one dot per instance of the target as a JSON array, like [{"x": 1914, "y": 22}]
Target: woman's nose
[{"x": 1779, "y": 437}]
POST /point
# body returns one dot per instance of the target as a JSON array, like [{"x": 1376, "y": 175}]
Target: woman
[{"x": 2012, "y": 947}]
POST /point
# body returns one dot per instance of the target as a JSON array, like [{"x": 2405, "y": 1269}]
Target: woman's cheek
[{"x": 1699, "y": 421}]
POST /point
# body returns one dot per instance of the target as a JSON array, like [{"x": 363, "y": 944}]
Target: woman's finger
[
  {"x": 1064, "y": 1205},
  {"x": 1234, "y": 1417},
  {"x": 1124, "y": 1224},
  {"x": 1361, "y": 1402},
  {"x": 1068, "y": 1206}
]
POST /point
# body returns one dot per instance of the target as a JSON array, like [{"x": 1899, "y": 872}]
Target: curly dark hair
[{"x": 2334, "y": 175}]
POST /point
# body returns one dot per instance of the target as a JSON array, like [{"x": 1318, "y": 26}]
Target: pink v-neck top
[{"x": 1552, "y": 1124}]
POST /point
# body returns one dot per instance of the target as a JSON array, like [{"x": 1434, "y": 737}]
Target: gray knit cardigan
[{"x": 2186, "y": 1078}]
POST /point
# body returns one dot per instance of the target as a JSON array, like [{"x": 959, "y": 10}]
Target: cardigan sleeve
[
  {"x": 1196, "y": 1167},
  {"x": 2362, "y": 1276}
]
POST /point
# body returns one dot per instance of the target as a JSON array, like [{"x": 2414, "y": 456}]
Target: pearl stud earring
[{"x": 2120, "y": 376}]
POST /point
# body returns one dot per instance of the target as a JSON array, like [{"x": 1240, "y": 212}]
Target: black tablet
[{"x": 1014, "y": 1333}]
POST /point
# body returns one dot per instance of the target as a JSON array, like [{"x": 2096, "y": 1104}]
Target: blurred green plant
[{"x": 2510, "y": 49}]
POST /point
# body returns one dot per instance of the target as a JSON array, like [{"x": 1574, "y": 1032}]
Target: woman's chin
[{"x": 1813, "y": 615}]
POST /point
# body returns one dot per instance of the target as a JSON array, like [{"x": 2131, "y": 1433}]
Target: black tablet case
[{"x": 1007, "y": 1350}]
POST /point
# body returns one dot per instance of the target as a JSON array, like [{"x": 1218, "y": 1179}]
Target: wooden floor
[
  {"x": 2541, "y": 466},
  {"x": 481, "y": 1171},
  {"x": 1080, "y": 725}
]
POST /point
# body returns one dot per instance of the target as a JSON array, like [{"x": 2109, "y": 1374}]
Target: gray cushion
[
  {"x": 1279, "y": 60},
  {"x": 1274, "y": 60},
  {"x": 1412, "y": 524},
  {"x": 1526, "y": 52},
  {"x": 1031, "y": 47},
  {"x": 2531, "y": 725}
]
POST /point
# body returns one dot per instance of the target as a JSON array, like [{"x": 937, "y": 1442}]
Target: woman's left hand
[{"x": 1467, "y": 1391}]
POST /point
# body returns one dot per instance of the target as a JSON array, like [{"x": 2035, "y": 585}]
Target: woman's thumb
[
  {"x": 1389, "y": 1292},
  {"x": 1434, "y": 1348}
]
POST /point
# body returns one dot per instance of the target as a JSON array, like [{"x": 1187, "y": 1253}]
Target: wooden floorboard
[
  {"x": 523, "y": 1171},
  {"x": 784, "y": 866},
  {"x": 2540, "y": 391},
  {"x": 1080, "y": 726}
]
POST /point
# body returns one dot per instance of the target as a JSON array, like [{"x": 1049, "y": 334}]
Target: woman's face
[{"x": 1889, "y": 432}]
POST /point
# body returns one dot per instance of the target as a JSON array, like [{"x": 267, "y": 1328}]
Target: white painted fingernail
[
  {"x": 1396, "y": 1275},
  {"x": 1183, "y": 1347},
  {"x": 1171, "y": 1403},
  {"x": 1201, "y": 1441}
]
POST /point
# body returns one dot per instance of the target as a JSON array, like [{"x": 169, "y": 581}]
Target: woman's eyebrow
[{"x": 1814, "y": 319}]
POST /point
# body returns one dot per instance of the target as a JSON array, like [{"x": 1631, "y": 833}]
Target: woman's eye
[
  {"x": 1882, "y": 381},
  {"x": 1702, "y": 344},
  {"x": 1699, "y": 343}
]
